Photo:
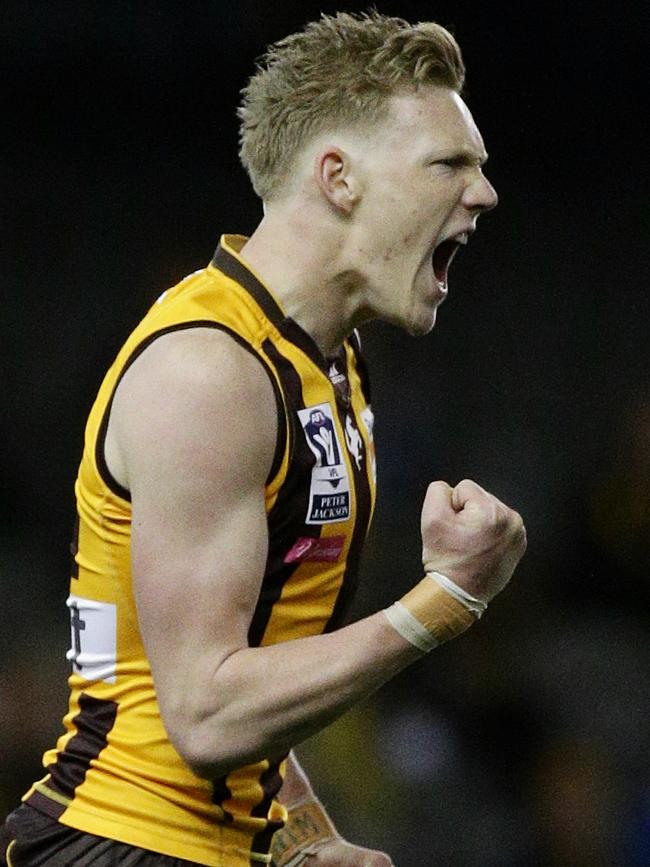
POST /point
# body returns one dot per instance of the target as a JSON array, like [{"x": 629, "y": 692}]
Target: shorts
[{"x": 29, "y": 838}]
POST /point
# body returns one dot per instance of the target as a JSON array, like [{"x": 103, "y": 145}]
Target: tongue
[{"x": 440, "y": 272}]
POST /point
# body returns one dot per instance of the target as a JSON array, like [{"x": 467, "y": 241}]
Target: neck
[{"x": 308, "y": 274}]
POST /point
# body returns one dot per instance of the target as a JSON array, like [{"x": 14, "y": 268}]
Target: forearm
[{"x": 266, "y": 700}]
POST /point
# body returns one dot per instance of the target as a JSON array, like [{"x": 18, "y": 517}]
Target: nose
[{"x": 480, "y": 195}]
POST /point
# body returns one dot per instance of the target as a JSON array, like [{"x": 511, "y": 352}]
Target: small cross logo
[{"x": 78, "y": 625}]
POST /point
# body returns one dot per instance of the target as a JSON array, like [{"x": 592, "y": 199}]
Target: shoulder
[
  {"x": 200, "y": 354},
  {"x": 197, "y": 390}
]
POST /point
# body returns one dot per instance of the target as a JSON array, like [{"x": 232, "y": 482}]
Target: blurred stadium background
[{"x": 525, "y": 742}]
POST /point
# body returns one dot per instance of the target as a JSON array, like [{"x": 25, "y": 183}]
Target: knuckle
[
  {"x": 517, "y": 524},
  {"x": 490, "y": 514},
  {"x": 516, "y": 518},
  {"x": 471, "y": 486},
  {"x": 523, "y": 539},
  {"x": 501, "y": 517}
]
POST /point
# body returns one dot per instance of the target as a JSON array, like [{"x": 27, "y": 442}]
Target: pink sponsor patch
[{"x": 326, "y": 550}]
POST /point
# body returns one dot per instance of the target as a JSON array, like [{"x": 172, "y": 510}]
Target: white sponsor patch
[
  {"x": 329, "y": 492},
  {"x": 93, "y": 634}
]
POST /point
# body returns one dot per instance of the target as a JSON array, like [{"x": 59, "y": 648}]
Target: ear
[{"x": 333, "y": 175}]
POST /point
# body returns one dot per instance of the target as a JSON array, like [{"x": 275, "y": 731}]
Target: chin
[
  {"x": 422, "y": 324},
  {"x": 417, "y": 319}
]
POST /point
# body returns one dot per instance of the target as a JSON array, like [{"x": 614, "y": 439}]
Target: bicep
[{"x": 195, "y": 585}]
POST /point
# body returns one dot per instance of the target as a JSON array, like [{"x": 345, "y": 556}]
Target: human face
[{"x": 423, "y": 192}]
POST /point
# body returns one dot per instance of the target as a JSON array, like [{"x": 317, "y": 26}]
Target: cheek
[{"x": 414, "y": 233}]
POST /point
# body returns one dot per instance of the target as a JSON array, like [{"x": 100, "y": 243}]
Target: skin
[{"x": 381, "y": 201}]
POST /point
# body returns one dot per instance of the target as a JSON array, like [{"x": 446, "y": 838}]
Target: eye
[{"x": 450, "y": 163}]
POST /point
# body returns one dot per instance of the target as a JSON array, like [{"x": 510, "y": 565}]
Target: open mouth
[{"x": 442, "y": 258}]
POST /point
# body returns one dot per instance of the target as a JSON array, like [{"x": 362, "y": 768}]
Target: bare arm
[{"x": 192, "y": 436}]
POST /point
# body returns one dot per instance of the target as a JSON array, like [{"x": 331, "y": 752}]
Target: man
[{"x": 228, "y": 480}]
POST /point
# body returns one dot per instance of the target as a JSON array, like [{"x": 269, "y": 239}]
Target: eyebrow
[{"x": 460, "y": 158}]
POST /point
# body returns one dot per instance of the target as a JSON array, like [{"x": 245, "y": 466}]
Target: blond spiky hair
[{"x": 337, "y": 71}]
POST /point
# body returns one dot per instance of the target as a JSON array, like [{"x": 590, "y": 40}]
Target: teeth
[{"x": 462, "y": 238}]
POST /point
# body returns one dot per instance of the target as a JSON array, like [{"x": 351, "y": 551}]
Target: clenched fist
[{"x": 471, "y": 537}]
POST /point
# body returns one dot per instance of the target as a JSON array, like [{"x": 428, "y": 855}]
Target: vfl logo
[{"x": 329, "y": 491}]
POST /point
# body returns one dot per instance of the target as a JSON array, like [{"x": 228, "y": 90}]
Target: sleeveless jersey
[{"x": 114, "y": 772}]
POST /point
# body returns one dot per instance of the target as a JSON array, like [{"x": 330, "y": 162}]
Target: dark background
[{"x": 526, "y": 741}]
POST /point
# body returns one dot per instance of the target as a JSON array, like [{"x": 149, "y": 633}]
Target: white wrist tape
[
  {"x": 434, "y": 611},
  {"x": 476, "y": 606},
  {"x": 410, "y": 628}
]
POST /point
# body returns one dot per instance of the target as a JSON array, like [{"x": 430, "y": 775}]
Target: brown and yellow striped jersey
[{"x": 114, "y": 772}]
